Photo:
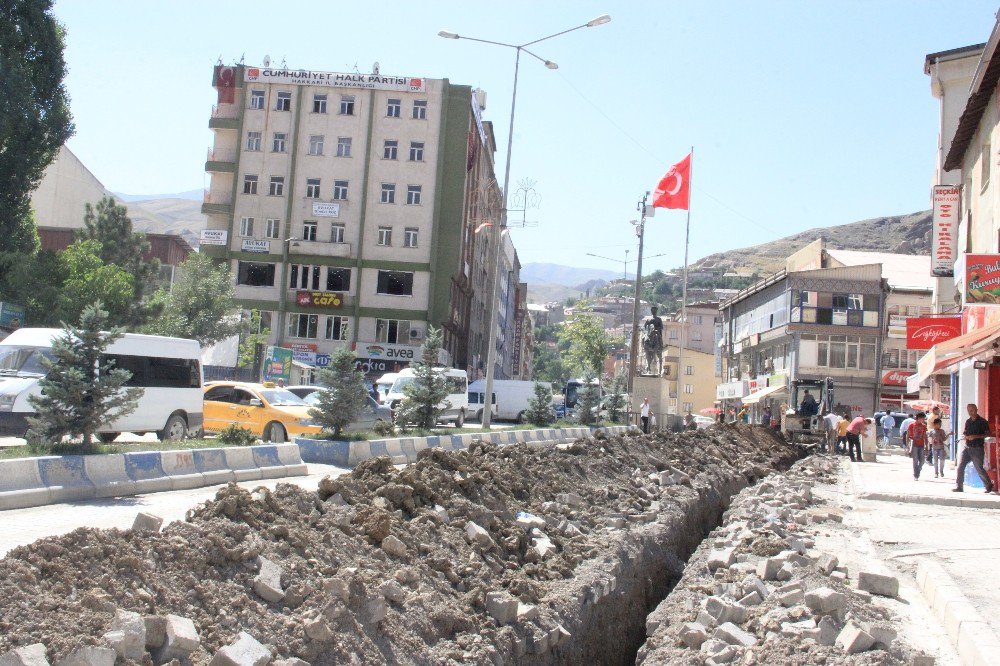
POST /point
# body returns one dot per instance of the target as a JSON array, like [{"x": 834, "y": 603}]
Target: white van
[
  {"x": 384, "y": 385},
  {"x": 167, "y": 369},
  {"x": 510, "y": 398},
  {"x": 458, "y": 393}
]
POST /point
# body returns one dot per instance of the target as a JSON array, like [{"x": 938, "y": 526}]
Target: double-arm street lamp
[{"x": 496, "y": 229}]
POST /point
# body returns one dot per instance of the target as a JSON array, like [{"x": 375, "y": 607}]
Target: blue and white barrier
[
  {"x": 28, "y": 482},
  {"x": 406, "y": 449}
]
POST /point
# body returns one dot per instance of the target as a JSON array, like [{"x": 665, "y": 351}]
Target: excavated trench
[{"x": 493, "y": 555}]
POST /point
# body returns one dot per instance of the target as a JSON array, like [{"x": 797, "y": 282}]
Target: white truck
[{"x": 510, "y": 398}]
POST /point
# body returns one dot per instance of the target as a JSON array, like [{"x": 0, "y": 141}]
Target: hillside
[
  {"x": 168, "y": 216},
  {"x": 900, "y": 234},
  {"x": 568, "y": 276}
]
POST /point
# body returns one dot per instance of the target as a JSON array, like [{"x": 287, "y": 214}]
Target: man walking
[
  {"x": 916, "y": 435},
  {"x": 644, "y": 415},
  {"x": 976, "y": 430},
  {"x": 888, "y": 423},
  {"x": 903, "y": 427},
  {"x": 855, "y": 431},
  {"x": 830, "y": 423}
]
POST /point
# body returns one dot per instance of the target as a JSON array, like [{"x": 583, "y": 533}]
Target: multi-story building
[
  {"x": 700, "y": 327},
  {"x": 346, "y": 206}
]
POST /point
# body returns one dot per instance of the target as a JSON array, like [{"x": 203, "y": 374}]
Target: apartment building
[{"x": 343, "y": 205}]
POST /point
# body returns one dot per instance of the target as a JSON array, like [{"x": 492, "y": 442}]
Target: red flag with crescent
[
  {"x": 225, "y": 84},
  {"x": 674, "y": 189}
]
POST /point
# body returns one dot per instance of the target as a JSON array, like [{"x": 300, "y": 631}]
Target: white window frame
[
  {"x": 393, "y": 107},
  {"x": 384, "y": 326},
  {"x": 246, "y": 227},
  {"x": 313, "y": 187},
  {"x": 413, "y": 194},
  {"x": 347, "y": 105},
  {"x": 410, "y": 236},
  {"x": 276, "y": 187},
  {"x": 337, "y": 232},
  {"x": 257, "y": 100},
  {"x": 295, "y": 325},
  {"x": 388, "y": 195},
  {"x": 340, "y": 190},
  {"x": 417, "y": 151},
  {"x": 285, "y": 97},
  {"x": 390, "y": 149},
  {"x": 253, "y": 141},
  {"x": 316, "y": 142},
  {"x": 250, "y": 183},
  {"x": 384, "y": 236},
  {"x": 310, "y": 230},
  {"x": 272, "y": 228},
  {"x": 319, "y": 103},
  {"x": 333, "y": 323},
  {"x": 343, "y": 146},
  {"x": 279, "y": 142},
  {"x": 419, "y": 109}
]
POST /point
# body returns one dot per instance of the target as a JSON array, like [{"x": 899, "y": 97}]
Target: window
[
  {"x": 384, "y": 236},
  {"x": 272, "y": 228},
  {"x": 413, "y": 194},
  {"x": 284, "y": 102},
  {"x": 837, "y": 309},
  {"x": 277, "y": 188},
  {"x": 841, "y": 351},
  {"x": 338, "y": 279},
  {"x": 316, "y": 144},
  {"x": 688, "y": 388},
  {"x": 312, "y": 188},
  {"x": 410, "y": 237},
  {"x": 253, "y": 274},
  {"x": 246, "y": 227},
  {"x": 156, "y": 371},
  {"x": 256, "y": 99},
  {"x": 688, "y": 406},
  {"x": 347, "y": 105},
  {"x": 309, "y": 230},
  {"x": 389, "y": 150},
  {"x": 302, "y": 325},
  {"x": 336, "y": 233},
  {"x": 344, "y": 146},
  {"x": 420, "y": 109},
  {"x": 249, "y": 184},
  {"x": 278, "y": 144},
  {"x": 303, "y": 277},
  {"x": 392, "y": 108},
  {"x": 395, "y": 283},
  {"x": 984, "y": 178},
  {"x": 319, "y": 103},
  {"x": 392, "y": 331},
  {"x": 340, "y": 190},
  {"x": 336, "y": 328},
  {"x": 388, "y": 193},
  {"x": 416, "y": 151},
  {"x": 253, "y": 141},
  {"x": 696, "y": 336},
  {"x": 688, "y": 369}
]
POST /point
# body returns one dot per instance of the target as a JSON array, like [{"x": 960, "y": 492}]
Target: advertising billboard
[
  {"x": 925, "y": 332},
  {"x": 982, "y": 279},
  {"x": 944, "y": 229}
]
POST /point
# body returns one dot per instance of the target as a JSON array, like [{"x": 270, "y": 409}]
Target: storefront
[{"x": 730, "y": 395}]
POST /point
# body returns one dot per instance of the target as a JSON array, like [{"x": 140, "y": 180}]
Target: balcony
[
  {"x": 225, "y": 116},
  {"x": 217, "y": 204},
  {"x": 319, "y": 248},
  {"x": 220, "y": 161}
]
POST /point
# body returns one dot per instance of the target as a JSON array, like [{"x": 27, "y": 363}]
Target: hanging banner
[
  {"x": 944, "y": 229},
  {"x": 982, "y": 279},
  {"x": 925, "y": 332},
  {"x": 305, "y": 77}
]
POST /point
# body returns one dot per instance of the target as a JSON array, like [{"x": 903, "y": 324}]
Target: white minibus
[
  {"x": 458, "y": 395},
  {"x": 510, "y": 398}
]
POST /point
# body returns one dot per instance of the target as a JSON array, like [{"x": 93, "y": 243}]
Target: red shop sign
[
  {"x": 895, "y": 378},
  {"x": 925, "y": 332}
]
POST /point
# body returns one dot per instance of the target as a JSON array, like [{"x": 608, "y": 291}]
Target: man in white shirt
[
  {"x": 644, "y": 415},
  {"x": 903, "y": 427},
  {"x": 830, "y": 422},
  {"x": 888, "y": 422}
]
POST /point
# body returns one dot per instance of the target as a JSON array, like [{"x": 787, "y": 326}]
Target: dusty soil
[{"x": 378, "y": 566}]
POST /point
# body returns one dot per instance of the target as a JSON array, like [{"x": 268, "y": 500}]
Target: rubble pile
[
  {"x": 491, "y": 555},
  {"x": 758, "y": 591}
]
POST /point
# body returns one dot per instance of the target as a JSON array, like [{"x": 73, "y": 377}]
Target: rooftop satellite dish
[
  {"x": 375, "y": 68},
  {"x": 267, "y": 61}
]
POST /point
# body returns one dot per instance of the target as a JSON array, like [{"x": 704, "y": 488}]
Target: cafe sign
[
  {"x": 318, "y": 299},
  {"x": 925, "y": 332}
]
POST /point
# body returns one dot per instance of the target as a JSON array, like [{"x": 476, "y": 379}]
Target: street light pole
[
  {"x": 634, "y": 342},
  {"x": 497, "y": 229}
]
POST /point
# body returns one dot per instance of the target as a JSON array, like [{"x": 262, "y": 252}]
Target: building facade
[{"x": 343, "y": 205}]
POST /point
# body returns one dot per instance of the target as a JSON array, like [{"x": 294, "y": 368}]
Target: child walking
[{"x": 938, "y": 438}]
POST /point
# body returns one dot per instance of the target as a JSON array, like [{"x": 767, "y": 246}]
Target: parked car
[
  {"x": 371, "y": 413},
  {"x": 271, "y": 412}
]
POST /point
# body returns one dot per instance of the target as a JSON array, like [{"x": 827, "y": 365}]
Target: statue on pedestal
[{"x": 652, "y": 343}]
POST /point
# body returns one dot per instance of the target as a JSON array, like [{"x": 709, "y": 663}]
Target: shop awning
[
  {"x": 950, "y": 352},
  {"x": 755, "y": 397}
]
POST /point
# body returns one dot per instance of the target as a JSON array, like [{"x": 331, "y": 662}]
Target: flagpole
[{"x": 684, "y": 290}]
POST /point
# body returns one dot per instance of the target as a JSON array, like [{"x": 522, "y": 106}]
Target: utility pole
[{"x": 634, "y": 342}]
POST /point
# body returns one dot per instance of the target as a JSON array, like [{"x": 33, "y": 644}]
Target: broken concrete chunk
[
  {"x": 337, "y": 587},
  {"x": 29, "y": 655},
  {"x": 478, "y": 535},
  {"x": 751, "y": 599},
  {"x": 245, "y": 651},
  {"x": 543, "y": 547},
  {"x": 790, "y": 597},
  {"x": 376, "y": 609},
  {"x": 127, "y": 635},
  {"x": 882, "y": 634},
  {"x": 713, "y": 646},
  {"x": 827, "y": 563},
  {"x": 786, "y": 572},
  {"x": 392, "y": 591},
  {"x": 267, "y": 584},
  {"x": 318, "y": 630},
  {"x": 825, "y": 600},
  {"x": 886, "y": 586},
  {"x": 147, "y": 522},
  {"x": 156, "y": 630},
  {"x": 89, "y": 656},
  {"x": 181, "y": 639},
  {"x": 838, "y": 576},
  {"x": 733, "y": 635},
  {"x": 569, "y": 499},
  {"x": 721, "y": 559},
  {"x": 694, "y": 634},
  {"x": 394, "y": 546},
  {"x": 526, "y": 612},
  {"x": 529, "y": 521},
  {"x": 853, "y": 639}
]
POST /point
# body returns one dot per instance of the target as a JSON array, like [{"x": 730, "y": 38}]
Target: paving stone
[
  {"x": 705, "y": 619},
  {"x": 721, "y": 559},
  {"x": 181, "y": 639},
  {"x": 733, "y": 635},
  {"x": 723, "y": 656},
  {"x": 569, "y": 499},
  {"x": 147, "y": 522},
  {"x": 478, "y": 535},
  {"x": 828, "y": 631},
  {"x": 502, "y": 606},
  {"x": 267, "y": 583},
  {"x": 838, "y": 576},
  {"x": 128, "y": 635},
  {"x": 853, "y": 639},
  {"x": 694, "y": 634},
  {"x": 29, "y": 655},
  {"x": 394, "y": 546},
  {"x": 318, "y": 630},
  {"x": 786, "y": 572},
  {"x": 751, "y": 599},
  {"x": 89, "y": 656},
  {"x": 825, "y": 600},
  {"x": 882, "y": 634},
  {"x": 827, "y": 563},
  {"x": 791, "y": 597},
  {"x": 886, "y": 586},
  {"x": 244, "y": 651},
  {"x": 768, "y": 569}
]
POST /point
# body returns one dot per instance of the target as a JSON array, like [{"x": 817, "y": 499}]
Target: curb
[
  {"x": 973, "y": 637},
  {"x": 27, "y": 482},
  {"x": 407, "y": 449},
  {"x": 861, "y": 492}
]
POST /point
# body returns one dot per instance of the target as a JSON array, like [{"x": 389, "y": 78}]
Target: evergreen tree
[
  {"x": 616, "y": 401},
  {"x": 35, "y": 121},
  {"x": 199, "y": 305},
  {"x": 340, "y": 403},
  {"x": 586, "y": 406},
  {"x": 80, "y": 391},
  {"x": 539, "y": 410},
  {"x": 424, "y": 398}
]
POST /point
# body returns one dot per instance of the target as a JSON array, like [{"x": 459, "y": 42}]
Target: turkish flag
[{"x": 674, "y": 189}]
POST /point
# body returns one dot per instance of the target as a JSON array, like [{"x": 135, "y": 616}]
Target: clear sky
[{"x": 802, "y": 113}]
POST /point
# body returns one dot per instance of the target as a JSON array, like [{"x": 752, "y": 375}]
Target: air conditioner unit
[{"x": 416, "y": 334}]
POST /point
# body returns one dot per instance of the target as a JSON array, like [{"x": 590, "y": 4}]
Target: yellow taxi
[{"x": 272, "y": 412}]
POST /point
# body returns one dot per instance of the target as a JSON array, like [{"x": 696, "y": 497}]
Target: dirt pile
[
  {"x": 491, "y": 555},
  {"x": 758, "y": 590}
]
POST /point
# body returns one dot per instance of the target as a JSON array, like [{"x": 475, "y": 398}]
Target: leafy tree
[
  {"x": 586, "y": 406},
  {"x": 424, "y": 398},
  {"x": 87, "y": 279},
  {"x": 253, "y": 340},
  {"x": 539, "y": 410},
  {"x": 200, "y": 305},
  {"x": 40, "y": 297},
  {"x": 616, "y": 401},
  {"x": 588, "y": 345},
  {"x": 547, "y": 365},
  {"x": 80, "y": 392},
  {"x": 34, "y": 119},
  {"x": 340, "y": 403}
]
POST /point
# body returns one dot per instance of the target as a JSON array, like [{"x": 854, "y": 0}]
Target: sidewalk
[{"x": 891, "y": 478}]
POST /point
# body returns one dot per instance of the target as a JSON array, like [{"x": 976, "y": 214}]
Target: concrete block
[
  {"x": 768, "y": 569},
  {"x": 828, "y": 631},
  {"x": 853, "y": 639},
  {"x": 245, "y": 651},
  {"x": 89, "y": 656},
  {"x": 267, "y": 584},
  {"x": 29, "y": 655},
  {"x": 922, "y": 660},
  {"x": 241, "y": 461},
  {"x": 721, "y": 559},
  {"x": 825, "y": 600},
  {"x": 181, "y": 639},
  {"x": 886, "y": 586},
  {"x": 477, "y": 535},
  {"x": 723, "y": 656},
  {"x": 147, "y": 522},
  {"x": 724, "y": 611},
  {"x": 790, "y": 598},
  {"x": 733, "y": 635},
  {"x": 156, "y": 630},
  {"x": 838, "y": 576},
  {"x": 882, "y": 634},
  {"x": 827, "y": 563},
  {"x": 694, "y": 634},
  {"x": 543, "y": 547},
  {"x": 651, "y": 626},
  {"x": 751, "y": 599},
  {"x": 109, "y": 475},
  {"x": 182, "y": 470},
  {"x": 502, "y": 606},
  {"x": 394, "y": 546},
  {"x": 129, "y": 641},
  {"x": 569, "y": 499},
  {"x": 705, "y": 619},
  {"x": 526, "y": 612},
  {"x": 786, "y": 572},
  {"x": 529, "y": 521}
]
